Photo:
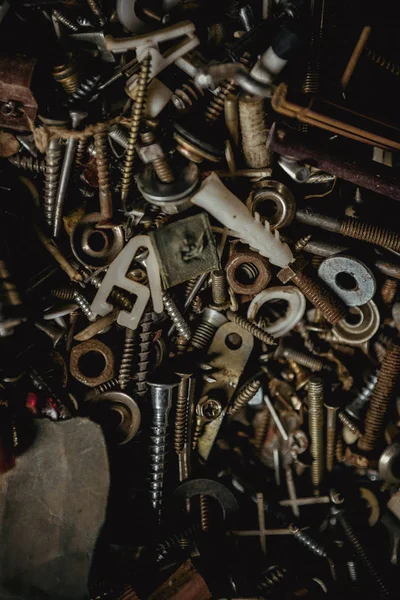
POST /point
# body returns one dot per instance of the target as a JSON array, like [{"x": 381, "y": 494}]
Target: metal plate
[
  {"x": 227, "y": 364},
  {"x": 185, "y": 249}
]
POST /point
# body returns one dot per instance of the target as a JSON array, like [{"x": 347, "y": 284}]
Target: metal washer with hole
[{"x": 349, "y": 278}]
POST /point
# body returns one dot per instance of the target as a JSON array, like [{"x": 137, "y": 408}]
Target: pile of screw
[{"x": 214, "y": 288}]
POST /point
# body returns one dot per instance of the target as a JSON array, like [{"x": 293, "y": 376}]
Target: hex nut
[
  {"x": 150, "y": 153},
  {"x": 96, "y": 347},
  {"x": 261, "y": 268}
]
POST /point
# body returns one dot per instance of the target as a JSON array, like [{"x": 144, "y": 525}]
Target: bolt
[
  {"x": 205, "y": 331},
  {"x": 183, "y": 422},
  {"x": 381, "y": 396},
  {"x": 331, "y": 410},
  {"x": 161, "y": 396},
  {"x": 315, "y": 423},
  {"x": 51, "y": 172},
  {"x": 348, "y": 422},
  {"x": 176, "y": 317},
  {"x": 219, "y": 289},
  {"x": 244, "y": 396},
  {"x": 103, "y": 175},
  {"x": 125, "y": 369},
  {"x": 301, "y": 358},
  {"x": 256, "y": 331},
  {"x": 76, "y": 119},
  {"x": 159, "y": 163}
]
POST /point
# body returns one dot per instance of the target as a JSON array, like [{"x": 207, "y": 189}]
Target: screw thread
[
  {"x": 308, "y": 542},
  {"x": 204, "y": 513},
  {"x": 254, "y": 132},
  {"x": 370, "y": 233},
  {"x": 219, "y": 287},
  {"x": 85, "y": 89},
  {"x": 202, "y": 335},
  {"x": 339, "y": 450},
  {"x": 302, "y": 243},
  {"x": 51, "y": 179},
  {"x": 175, "y": 315},
  {"x": 355, "y": 542},
  {"x": 103, "y": 175},
  {"x": 255, "y": 331},
  {"x": 198, "y": 430},
  {"x": 62, "y": 18},
  {"x": 186, "y": 96},
  {"x": 145, "y": 341},
  {"x": 330, "y": 446},
  {"x": 107, "y": 386},
  {"x": 81, "y": 150},
  {"x": 382, "y": 61},
  {"x": 331, "y": 307},
  {"x": 190, "y": 285},
  {"x": 315, "y": 422},
  {"x": 303, "y": 359},
  {"x": 271, "y": 578},
  {"x": 351, "y": 566},
  {"x": 28, "y": 163},
  {"x": 305, "y": 336},
  {"x": 84, "y": 305},
  {"x": 125, "y": 369},
  {"x": 137, "y": 114},
  {"x": 349, "y": 423},
  {"x": 119, "y": 134},
  {"x": 181, "y": 416},
  {"x": 158, "y": 464},
  {"x": 66, "y": 294},
  {"x": 216, "y": 106},
  {"x": 160, "y": 164},
  {"x": 262, "y": 429},
  {"x": 245, "y": 395},
  {"x": 389, "y": 290},
  {"x": 356, "y": 406},
  {"x": 173, "y": 541},
  {"x": 97, "y": 11},
  {"x": 381, "y": 396}
]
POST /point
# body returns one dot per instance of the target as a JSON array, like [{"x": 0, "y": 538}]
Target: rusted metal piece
[
  {"x": 370, "y": 175},
  {"x": 185, "y": 584},
  {"x": 88, "y": 351},
  {"x": 17, "y": 103},
  {"x": 387, "y": 379},
  {"x": 247, "y": 272},
  {"x": 373, "y": 133}
]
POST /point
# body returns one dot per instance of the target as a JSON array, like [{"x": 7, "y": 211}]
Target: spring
[
  {"x": 125, "y": 369},
  {"x": 66, "y": 294},
  {"x": 119, "y": 134},
  {"x": 186, "y": 96},
  {"x": 96, "y": 10},
  {"x": 159, "y": 164},
  {"x": 145, "y": 341},
  {"x": 348, "y": 422},
  {"x": 67, "y": 75},
  {"x": 381, "y": 396},
  {"x": 28, "y": 163},
  {"x": 216, "y": 106},
  {"x": 310, "y": 85},
  {"x": 176, "y": 317},
  {"x": 107, "y": 386},
  {"x": 389, "y": 290},
  {"x": 262, "y": 428},
  {"x": 84, "y": 305},
  {"x": 315, "y": 421},
  {"x": 302, "y": 243},
  {"x": 51, "y": 178},
  {"x": 382, "y": 61},
  {"x": 204, "y": 516},
  {"x": 62, "y": 18},
  {"x": 271, "y": 577},
  {"x": 163, "y": 548},
  {"x": 245, "y": 395},
  {"x": 353, "y": 539},
  {"x": 103, "y": 174},
  {"x": 137, "y": 114},
  {"x": 85, "y": 89},
  {"x": 257, "y": 332}
]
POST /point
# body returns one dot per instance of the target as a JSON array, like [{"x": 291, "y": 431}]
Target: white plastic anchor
[
  {"x": 224, "y": 206},
  {"x": 116, "y": 276},
  {"x": 148, "y": 44}
]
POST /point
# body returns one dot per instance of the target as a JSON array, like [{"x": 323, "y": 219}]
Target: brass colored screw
[
  {"x": 160, "y": 164},
  {"x": 256, "y": 331},
  {"x": 301, "y": 358},
  {"x": 125, "y": 368},
  {"x": 204, "y": 516},
  {"x": 348, "y": 422},
  {"x": 368, "y": 232},
  {"x": 254, "y": 132},
  {"x": 388, "y": 290},
  {"x": 219, "y": 289},
  {"x": 182, "y": 412},
  {"x": 244, "y": 396},
  {"x": 216, "y": 106},
  {"x": 331, "y": 411},
  {"x": 81, "y": 149},
  {"x": 331, "y": 307},
  {"x": 382, "y": 394},
  {"x": 315, "y": 421},
  {"x": 106, "y": 208},
  {"x": 302, "y": 243},
  {"x": 137, "y": 114}
]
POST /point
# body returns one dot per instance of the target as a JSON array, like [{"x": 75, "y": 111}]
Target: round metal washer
[
  {"x": 96, "y": 247},
  {"x": 351, "y": 280},
  {"x": 295, "y": 311},
  {"x": 91, "y": 346},
  {"x": 126, "y": 422},
  {"x": 359, "y": 325},
  {"x": 389, "y": 464},
  {"x": 278, "y": 194},
  {"x": 171, "y": 197}
]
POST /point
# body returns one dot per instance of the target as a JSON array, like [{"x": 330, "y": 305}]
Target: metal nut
[
  {"x": 92, "y": 363},
  {"x": 274, "y": 202},
  {"x": 248, "y": 273}
]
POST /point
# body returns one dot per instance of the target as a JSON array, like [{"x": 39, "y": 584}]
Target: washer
[{"x": 349, "y": 278}]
